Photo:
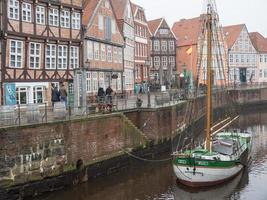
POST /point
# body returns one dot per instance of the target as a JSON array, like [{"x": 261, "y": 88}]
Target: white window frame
[
  {"x": 36, "y": 90},
  {"x": 100, "y": 22},
  {"x": 156, "y": 45},
  {"x": 13, "y": 9},
  {"x": 171, "y": 45},
  {"x": 119, "y": 51},
  {"x": 20, "y": 90},
  {"x": 74, "y": 57},
  {"x": 164, "y": 61},
  {"x": 51, "y": 55},
  {"x": 94, "y": 81},
  {"x": 88, "y": 82},
  {"x": 102, "y": 80},
  {"x": 113, "y": 26},
  {"x": 109, "y": 53},
  {"x": 53, "y": 17},
  {"x": 16, "y": 52},
  {"x": 164, "y": 46},
  {"x": 156, "y": 61},
  {"x": 40, "y": 15},
  {"x": 65, "y": 18},
  {"x": 90, "y": 50},
  {"x": 172, "y": 61},
  {"x": 26, "y": 12},
  {"x": 35, "y": 55},
  {"x": 103, "y": 52},
  {"x": 96, "y": 51},
  {"x": 76, "y": 20},
  {"x": 115, "y": 55},
  {"x": 62, "y": 60}
]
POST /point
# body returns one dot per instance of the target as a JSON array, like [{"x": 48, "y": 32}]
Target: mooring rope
[{"x": 143, "y": 159}]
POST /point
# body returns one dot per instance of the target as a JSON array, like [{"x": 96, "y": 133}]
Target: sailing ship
[{"x": 224, "y": 154}]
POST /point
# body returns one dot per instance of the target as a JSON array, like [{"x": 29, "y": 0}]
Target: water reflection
[{"x": 157, "y": 181}]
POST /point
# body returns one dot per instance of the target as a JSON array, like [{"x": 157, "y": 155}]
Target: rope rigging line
[{"x": 144, "y": 159}]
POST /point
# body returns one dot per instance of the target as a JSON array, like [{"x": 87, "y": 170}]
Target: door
[{"x": 243, "y": 75}]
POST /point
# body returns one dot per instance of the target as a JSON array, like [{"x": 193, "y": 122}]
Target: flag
[{"x": 189, "y": 51}]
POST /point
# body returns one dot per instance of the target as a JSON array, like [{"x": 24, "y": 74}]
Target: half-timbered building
[
  {"x": 41, "y": 44},
  {"x": 103, "y": 47},
  {"x": 163, "y": 53}
]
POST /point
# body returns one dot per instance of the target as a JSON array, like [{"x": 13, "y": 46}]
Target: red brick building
[
  {"x": 142, "y": 47},
  {"x": 41, "y": 43},
  {"x": 103, "y": 47}
]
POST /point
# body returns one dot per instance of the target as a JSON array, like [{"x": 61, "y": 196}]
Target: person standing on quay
[
  {"x": 63, "y": 94},
  {"x": 54, "y": 94}
]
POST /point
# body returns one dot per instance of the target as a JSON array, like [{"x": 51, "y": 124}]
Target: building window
[
  {"x": 108, "y": 33},
  {"x": 231, "y": 58},
  {"x": 94, "y": 82},
  {"x": 265, "y": 58},
  {"x": 115, "y": 55},
  {"x": 65, "y": 19},
  {"x": 156, "y": 45},
  {"x": 265, "y": 73},
  {"x": 90, "y": 50},
  {"x": 40, "y": 15},
  {"x": 109, "y": 54},
  {"x": 172, "y": 61},
  {"x": 22, "y": 95},
  {"x": 62, "y": 56},
  {"x": 100, "y": 22},
  {"x": 237, "y": 58},
  {"x": 88, "y": 82},
  {"x": 156, "y": 61},
  {"x": 38, "y": 95},
  {"x": 113, "y": 26},
  {"x": 261, "y": 58},
  {"x": 13, "y": 9},
  {"x": 96, "y": 51},
  {"x": 35, "y": 54},
  {"x": 15, "y": 54},
  {"x": 51, "y": 56},
  {"x": 53, "y": 17},
  {"x": 164, "y": 61},
  {"x": 260, "y": 73},
  {"x": 120, "y": 55},
  {"x": 164, "y": 45},
  {"x": 74, "y": 57},
  {"x": 171, "y": 45},
  {"x": 101, "y": 80},
  {"x": 26, "y": 12},
  {"x": 103, "y": 52},
  {"x": 76, "y": 20}
]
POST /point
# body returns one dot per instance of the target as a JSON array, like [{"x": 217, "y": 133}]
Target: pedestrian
[
  {"x": 109, "y": 92},
  {"x": 54, "y": 95},
  {"x": 63, "y": 94},
  {"x": 101, "y": 99}
]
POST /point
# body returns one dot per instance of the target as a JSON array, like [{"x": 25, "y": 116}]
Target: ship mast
[{"x": 209, "y": 78}]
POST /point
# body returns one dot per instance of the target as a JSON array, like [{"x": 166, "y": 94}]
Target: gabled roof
[
  {"x": 187, "y": 30},
  {"x": 134, "y": 7},
  {"x": 119, "y": 8},
  {"x": 231, "y": 33},
  {"x": 259, "y": 42},
  {"x": 89, "y": 9},
  {"x": 153, "y": 25}
]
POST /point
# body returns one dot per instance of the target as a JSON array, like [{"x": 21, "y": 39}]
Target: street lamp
[{"x": 147, "y": 64}]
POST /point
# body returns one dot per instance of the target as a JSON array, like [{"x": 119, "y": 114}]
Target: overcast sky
[{"x": 253, "y": 13}]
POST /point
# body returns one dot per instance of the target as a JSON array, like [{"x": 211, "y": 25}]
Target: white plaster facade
[{"x": 243, "y": 59}]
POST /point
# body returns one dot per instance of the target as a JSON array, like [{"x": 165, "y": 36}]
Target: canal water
[{"x": 156, "y": 181}]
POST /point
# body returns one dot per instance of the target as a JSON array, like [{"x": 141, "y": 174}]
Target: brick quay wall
[{"x": 39, "y": 158}]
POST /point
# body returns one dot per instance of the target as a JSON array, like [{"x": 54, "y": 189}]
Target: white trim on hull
[{"x": 204, "y": 176}]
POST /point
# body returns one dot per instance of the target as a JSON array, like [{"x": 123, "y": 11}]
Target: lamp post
[{"x": 147, "y": 64}]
